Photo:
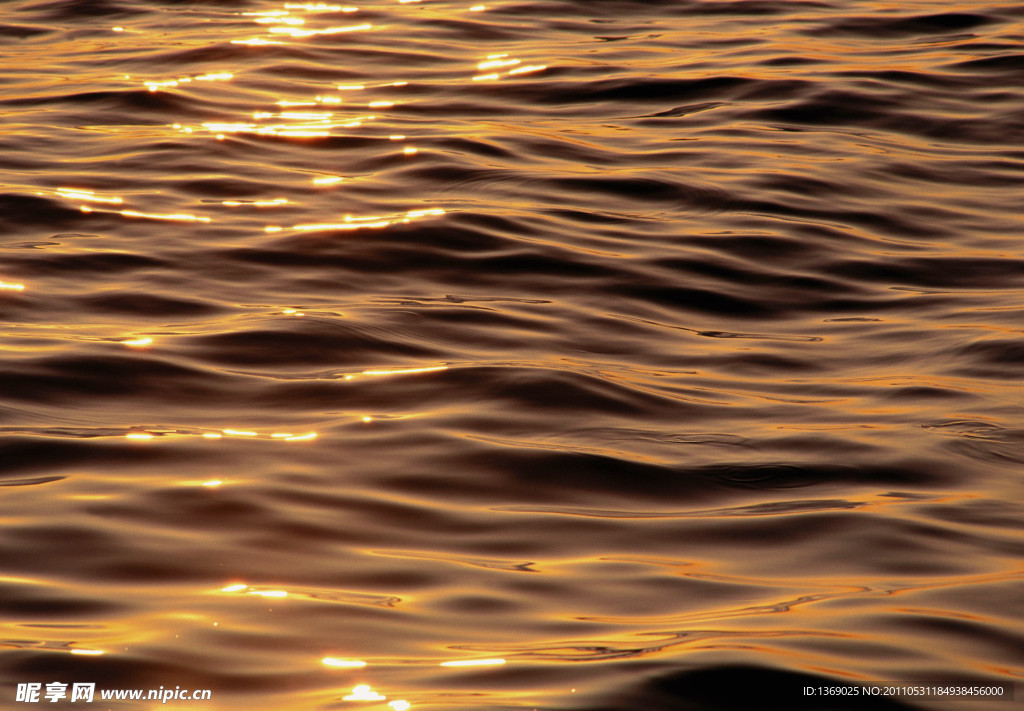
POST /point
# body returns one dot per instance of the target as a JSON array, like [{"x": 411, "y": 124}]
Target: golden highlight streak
[
  {"x": 474, "y": 663},
  {"x": 363, "y": 692},
  {"x": 12, "y": 287},
  {"x": 344, "y": 663},
  {"x": 151, "y": 216},
  {"x": 433, "y": 369}
]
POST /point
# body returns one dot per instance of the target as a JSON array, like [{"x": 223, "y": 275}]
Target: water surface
[{"x": 669, "y": 352}]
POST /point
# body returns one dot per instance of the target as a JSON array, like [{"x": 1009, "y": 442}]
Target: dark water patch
[
  {"x": 30, "y": 210},
  {"x": 681, "y": 111},
  {"x": 738, "y": 688},
  {"x": 23, "y": 31},
  {"x": 50, "y": 379},
  {"x": 474, "y": 146},
  {"x": 28, "y": 454},
  {"x": 146, "y": 305},
  {"x": 128, "y": 101},
  {"x": 994, "y": 358},
  {"x": 1004, "y": 63},
  {"x": 82, "y": 262},
  {"x": 708, "y": 199},
  {"x": 759, "y": 248},
  {"x": 642, "y": 90},
  {"x": 833, "y": 108},
  {"x": 32, "y": 481},
  {"x": 79, "y": 9},
  {"x": 751, "y": 8},
  {"x": 313, "y": 341},
  {"x": 948, "y": 272},
  {"x": 888, "y": 27}
]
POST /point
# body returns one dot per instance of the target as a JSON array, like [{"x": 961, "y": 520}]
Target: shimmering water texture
[{"x": 606, "y": 355}]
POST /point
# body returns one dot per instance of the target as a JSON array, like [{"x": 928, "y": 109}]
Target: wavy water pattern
[{"x": 611, "y": 356}]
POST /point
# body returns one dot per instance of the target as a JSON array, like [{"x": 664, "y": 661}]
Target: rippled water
[{"x": 670, "y": 352}]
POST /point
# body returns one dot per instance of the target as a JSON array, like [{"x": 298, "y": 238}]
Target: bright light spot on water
[
  {"x": 485, "y": 77},
  {"x": 12, "y": 287},
  {"x": 79, "y": 194},
  {"x": 493, "y": 63},
  {"x": 351, "y": 87},
  {"x": 474, "y": 663},
  {"x": 255, "y": 41},
  {"x": 212, "y": 435},
  {"x": 138, "y": 342},
  {"x": 400, "y": 705},
  {"x": 239, "y": 433},
  {"x": 355, "y": 223},
  {"x": 380, "y": 104},
  {"x": 477, "y": 8},
  {"x": 283, "y": 20},
  {"x": 332, "y": 180},
  {"x": 309, "y": 33},
  {"x": 532, "y": 68},
  {"x": 406, "y": 371},
  {"x": 236, "y": 587},
  {"x": 396, "y": 137},
  {"x": 367, "y": 419},
  {"x": 270, "y": 593},
  {"x": 301, "y": 438},
  {"x": 88, "y": 652},
  {"x": 152, "y": 216},
  {"x": 139, "y": 435},
  {"x": 215, "y": 482},
  {"x": 255, "y": 203},
  {"x": 344, "y": 663},
  {"x": 363, "y": 692},
  {"x": 410, "y": 151},
  {"x": 321, "y": 8},
  {"x": 118, "y": 29}
]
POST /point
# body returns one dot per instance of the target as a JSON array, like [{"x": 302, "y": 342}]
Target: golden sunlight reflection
[
  {"x": 269, "y": 593},
  {"x": 400, "y": 705},
  {"x": 12, "y": 287},
  {"x": 364, "y": 692},
  {"x": 502, "y": 62},
  {"x": 87, "y": 652},
  {"x": 138, "y": 342},
  {"x": 474, "y": 663},
  {"x": 250, "y": 590},
  {"x": 406, "y": 371},
  {"x": 156, "y": 216},
  {"x": 343, "y": 663},
  {"x": 355, "y": 223},
  {"x": 91, "y": 196},
  {"x": 154, "y": 85},
  {"x": 255, "y": 203},
  {"x": 149, "y": 434}
]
